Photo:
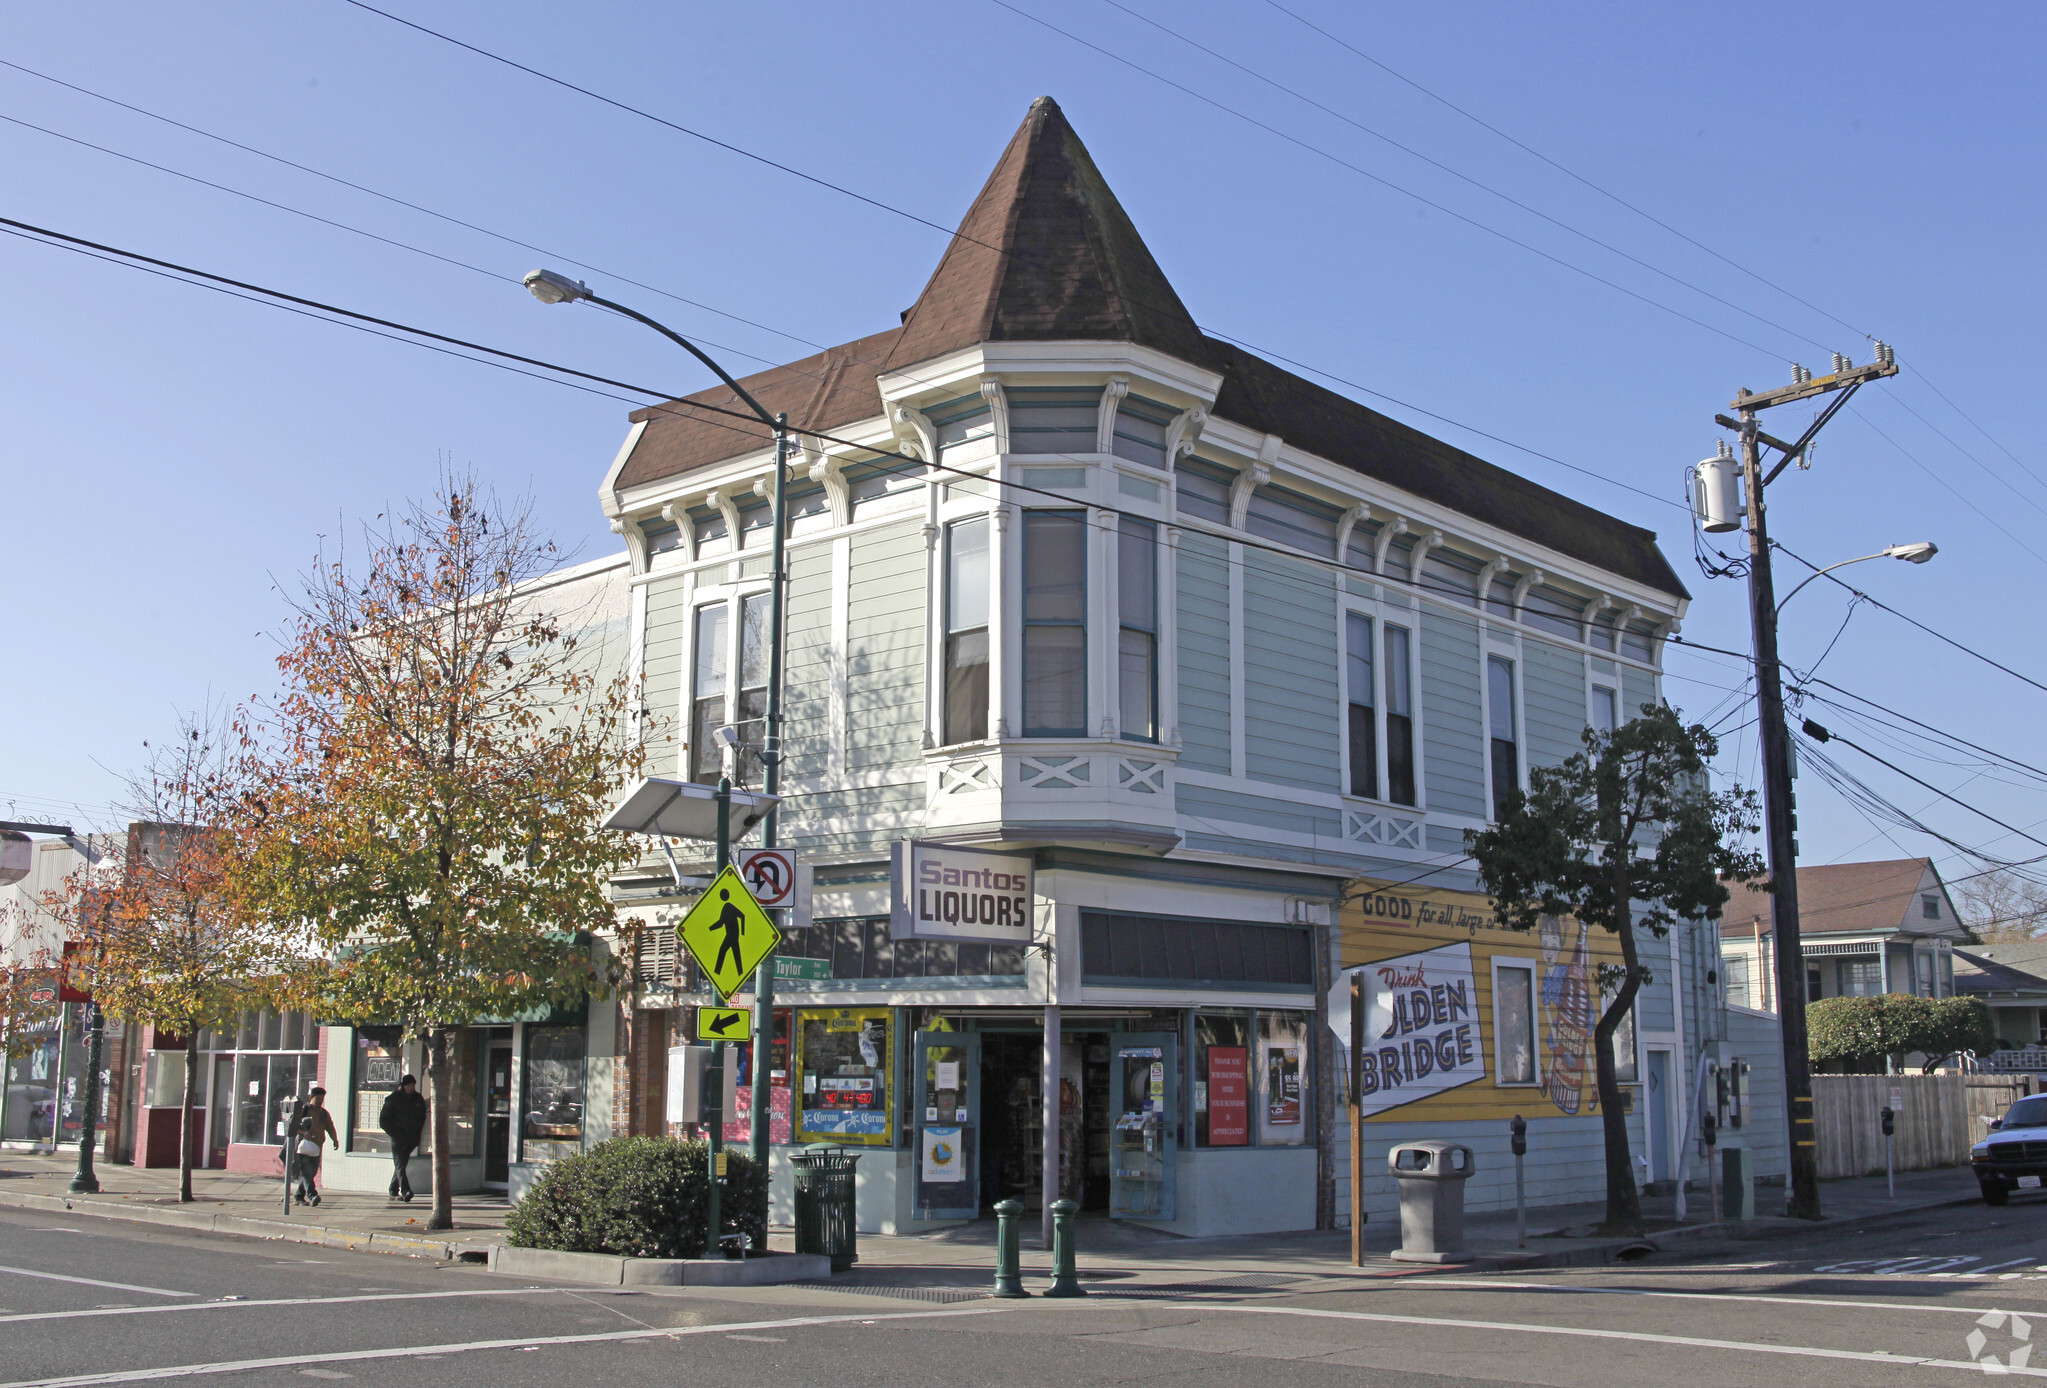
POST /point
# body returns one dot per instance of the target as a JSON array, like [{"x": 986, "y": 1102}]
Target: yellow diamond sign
[{"x": 728, "y": 933}]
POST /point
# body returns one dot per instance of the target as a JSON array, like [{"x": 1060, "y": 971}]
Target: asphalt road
[{"x": 1921, "y": 1300}]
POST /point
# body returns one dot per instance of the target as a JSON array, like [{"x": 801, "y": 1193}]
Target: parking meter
[
  {"x": 1518, "y": 1129},
  {"x": 1517, "y": 1133},
  {"x": 1889, "y": 1121},
  {"x": 1711, "y": 1132}
]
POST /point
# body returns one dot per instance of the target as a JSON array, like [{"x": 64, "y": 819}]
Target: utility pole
[
  {"x": 1802, "y": 1194},
  {"x": 761, "y": 1131}
]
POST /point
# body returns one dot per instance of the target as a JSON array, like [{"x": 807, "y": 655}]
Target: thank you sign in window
[{"x": 947, "y": 893}]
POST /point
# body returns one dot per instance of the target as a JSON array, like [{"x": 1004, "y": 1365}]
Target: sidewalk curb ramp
[{"x": 600, "y": 1269}]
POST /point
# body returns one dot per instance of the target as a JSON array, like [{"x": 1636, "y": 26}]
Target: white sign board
[
  {"x": 1421, "y": 1032},
  {"x": 946, "y": 893}
]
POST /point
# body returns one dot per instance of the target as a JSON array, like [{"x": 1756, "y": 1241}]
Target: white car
[{"x": 2015, "y": 1153}]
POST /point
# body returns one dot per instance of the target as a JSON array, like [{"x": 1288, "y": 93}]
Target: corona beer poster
[{"x": 1428, "y": 964}]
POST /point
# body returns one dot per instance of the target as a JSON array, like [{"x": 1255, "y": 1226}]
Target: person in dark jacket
[
  {"x": 310, "y": 1122},
  {"x": 403, "y": 1119}
]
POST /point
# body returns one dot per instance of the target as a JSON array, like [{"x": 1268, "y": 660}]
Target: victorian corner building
[{"x": 1225, "y": 662}]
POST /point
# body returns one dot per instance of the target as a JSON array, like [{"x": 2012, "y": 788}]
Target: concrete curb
[{"x": 597, "y": 1268}]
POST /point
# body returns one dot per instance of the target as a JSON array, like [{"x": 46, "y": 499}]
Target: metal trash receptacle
[
  {"x": 1432, "y": 1173},
  {"x": 824, "y": 1203}
]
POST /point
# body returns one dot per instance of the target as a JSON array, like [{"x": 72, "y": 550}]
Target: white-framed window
[
  {"x": 1506, "y": 747},
  {"x": 966, "y": 631},
  {"x": 707, "y": 693},
  {"x": 1137, "y": 617},
  {"x": 1055, "y": 624},
  {"x": 1734, "y": 978},
  {"x": 751, "y": 714},
  {"x": 1360, "y": 691},
  {"x": 1606, "y": 704},
  {"x": 1929, "y": 907},
  {"x": 1402, "y": 754},
  {"x": 1515, "y": 1061}
]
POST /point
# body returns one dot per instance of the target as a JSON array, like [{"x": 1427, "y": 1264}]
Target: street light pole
[
  {"x": 551, "y": 288},
  {"x": 1802, "y": 1195}
]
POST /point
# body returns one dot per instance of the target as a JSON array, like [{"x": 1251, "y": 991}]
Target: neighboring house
[
  {"x": 1234, "y": 659},
  {"x": 2011, "y": 979},
  {"x": 1864, "y": 928}
]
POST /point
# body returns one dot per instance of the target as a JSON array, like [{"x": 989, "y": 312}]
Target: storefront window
[
  {"x": 1222, "y": 1079},
  {"x": 270, "y": 1078},
  {"x": 739, "y": 1128},
  {"x": 553, "y": 1093},
  {"x": 379, "y": 1061},
  {"x": 1283, "y": 1078},
  {"x": 860, "y": 947},
  {"x": 846, "y": 1067},
  {"x": 30, "y": 1107}
]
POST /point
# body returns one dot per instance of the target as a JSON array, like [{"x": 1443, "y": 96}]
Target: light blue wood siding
[
  {"x": 885, "y": 649},
  {"x": 808, "y": 663},
  {"x": 1290, "y": 692},
  {"x": 850, "y": 821},
  {"x": 662, "y": 665},
  {"x": 1638, "y": 687},
  {"x": 1453, "y": 735},
  {"x": 1553, "y": 697},
  {"x": 1221, "y": 811},
  {"x": 1652, "y": 1003},
  {"x": 1204, "y": 601}
]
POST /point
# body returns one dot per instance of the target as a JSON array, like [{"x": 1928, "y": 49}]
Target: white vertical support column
[
  {"x": 1104, "y": 658},
  {"x": 1049, "y": 1095},
  {"x": 636, "y": 666},
  {"x": 842, "y": 583},
  {"x": 1681, "y": 988},
  {"x": 1000, "y": 544},
  {"x": 1236, "y": 560},
  {"x": 934, "y": 621},
  {"x": 1169, "y": 635}
]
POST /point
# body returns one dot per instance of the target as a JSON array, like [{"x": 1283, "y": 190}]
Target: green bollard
[
  {"x": 1008, "y": 1252},
  {"x": 1065, "y": 1276}
]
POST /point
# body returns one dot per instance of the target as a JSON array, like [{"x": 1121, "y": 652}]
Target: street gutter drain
[{"x": 1634, "y": 1252}]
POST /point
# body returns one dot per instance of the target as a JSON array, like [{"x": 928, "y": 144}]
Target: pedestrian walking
[
  {"x": 310, "y": 1122},
  {"x": 403, "y": 1119}
]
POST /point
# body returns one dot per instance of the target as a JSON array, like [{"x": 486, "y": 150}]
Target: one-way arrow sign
[{"x": 724, "y": 1024}]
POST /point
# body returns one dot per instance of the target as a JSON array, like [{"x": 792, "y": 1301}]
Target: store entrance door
[
  {"x": 497, "y": 1116},
  {"x": 947, "y": 1065},
  {"x": 222, "y": 1110},
  {"x": 1141, "y": 1070}
]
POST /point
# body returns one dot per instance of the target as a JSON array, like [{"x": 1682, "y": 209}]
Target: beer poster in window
[
  {"x": 1283, "y": 1085},
  {"x": 847, "y": 1072},
  {"x": 1424, "y": 962},
  {"x": 1229, "y": 1096}
]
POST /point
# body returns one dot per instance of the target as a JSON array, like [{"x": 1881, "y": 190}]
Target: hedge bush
[
  {"x": 639, "y": 1197},
  {"x": 1860, "y": 1033}
]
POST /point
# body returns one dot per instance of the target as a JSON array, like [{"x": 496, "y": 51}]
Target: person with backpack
[{"x": 403, "y": 1119}]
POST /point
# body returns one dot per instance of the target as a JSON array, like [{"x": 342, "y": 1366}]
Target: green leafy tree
[
  {"x": 430, "y": 783},
  {"x": 1875, "y": 1035},
  {"x": 1625, "y": 836}
]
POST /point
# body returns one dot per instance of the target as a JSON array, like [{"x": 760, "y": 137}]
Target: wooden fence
[{"x": 1942, "y": 1116}]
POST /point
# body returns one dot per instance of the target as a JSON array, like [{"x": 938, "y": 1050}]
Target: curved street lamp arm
[
  {"x": 1816, "y": 573},
  {"x": 679, "y": 340}
]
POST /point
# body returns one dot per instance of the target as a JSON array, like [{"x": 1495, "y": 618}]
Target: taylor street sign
[
  {"x": 728, "y": 933},
  {"x": 947, "y": 893}
]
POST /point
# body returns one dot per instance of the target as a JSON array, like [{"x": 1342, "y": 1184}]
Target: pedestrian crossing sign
[
  {"x": 728, "y": 933},
  {"x": 724, "y": 1024}
]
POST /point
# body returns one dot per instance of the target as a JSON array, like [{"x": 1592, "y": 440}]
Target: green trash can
[{"x": 824, "y": 1203}]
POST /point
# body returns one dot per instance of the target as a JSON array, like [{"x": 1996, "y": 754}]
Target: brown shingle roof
[
  {"x": 1839, "y": 898},
  {"x": 1047, "y": 254}
]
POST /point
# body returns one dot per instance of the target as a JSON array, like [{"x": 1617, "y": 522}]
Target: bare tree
[{"x": 2002, "y": 907}]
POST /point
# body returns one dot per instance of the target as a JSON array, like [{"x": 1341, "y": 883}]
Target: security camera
[{"x": 727, "y": 736}]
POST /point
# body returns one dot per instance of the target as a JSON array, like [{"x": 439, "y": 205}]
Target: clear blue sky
[{"x": 171, "y": 454}]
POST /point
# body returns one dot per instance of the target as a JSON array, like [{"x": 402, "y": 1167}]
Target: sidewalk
[{"x": 961, "y": 1257}]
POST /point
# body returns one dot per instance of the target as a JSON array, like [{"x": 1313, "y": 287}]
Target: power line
[{"x": 1819, "y": 734}]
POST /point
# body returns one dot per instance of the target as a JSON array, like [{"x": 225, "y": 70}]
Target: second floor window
[
  {"x": 1399, "y": 719},
  {"x": 1364, "y": 728},
  {"x": 1605, "y": 709},
  {"x": 751, "y": 717},
  {"x": 707, "y": 695},
  {"x": 1506, "y": 752},
  {"x": 966, "y": 631},
  {"x": 1137, "y": 593},
  {"x": 1055, "y": 624}
]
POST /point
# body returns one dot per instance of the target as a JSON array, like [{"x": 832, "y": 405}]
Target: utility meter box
[{"x": 1737, "y": 1183}]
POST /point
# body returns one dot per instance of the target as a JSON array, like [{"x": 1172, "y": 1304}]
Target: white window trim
[
  {"x": 1534, "y": 968},
  {"x": 1514, "y": 666}
]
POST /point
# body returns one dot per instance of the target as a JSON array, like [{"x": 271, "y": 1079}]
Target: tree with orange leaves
[{"x": 430, "y": 783}]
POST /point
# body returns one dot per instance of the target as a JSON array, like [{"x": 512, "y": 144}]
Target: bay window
[
  {"x": 1364, "y": 727},
  {"x": 966, "y": 631},
  {"x": 752, "y": 715},
  {"x": 1137, "y": 565},
  {"x": 707, "y": 694},
  {"x": 1399, "y": 718},
  {"x": 1505, "y": 747},
  {"x": 1055, "y": 624}
]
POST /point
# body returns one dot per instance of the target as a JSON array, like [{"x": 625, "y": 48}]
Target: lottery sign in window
[{"x": 847, "y": 1069}]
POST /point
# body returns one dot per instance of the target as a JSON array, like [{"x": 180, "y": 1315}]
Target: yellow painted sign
[
  {"x": 728, "y": 933},
  {"x": 724, "y": 1023},
  {"x": 1464, "y": 1018}
]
